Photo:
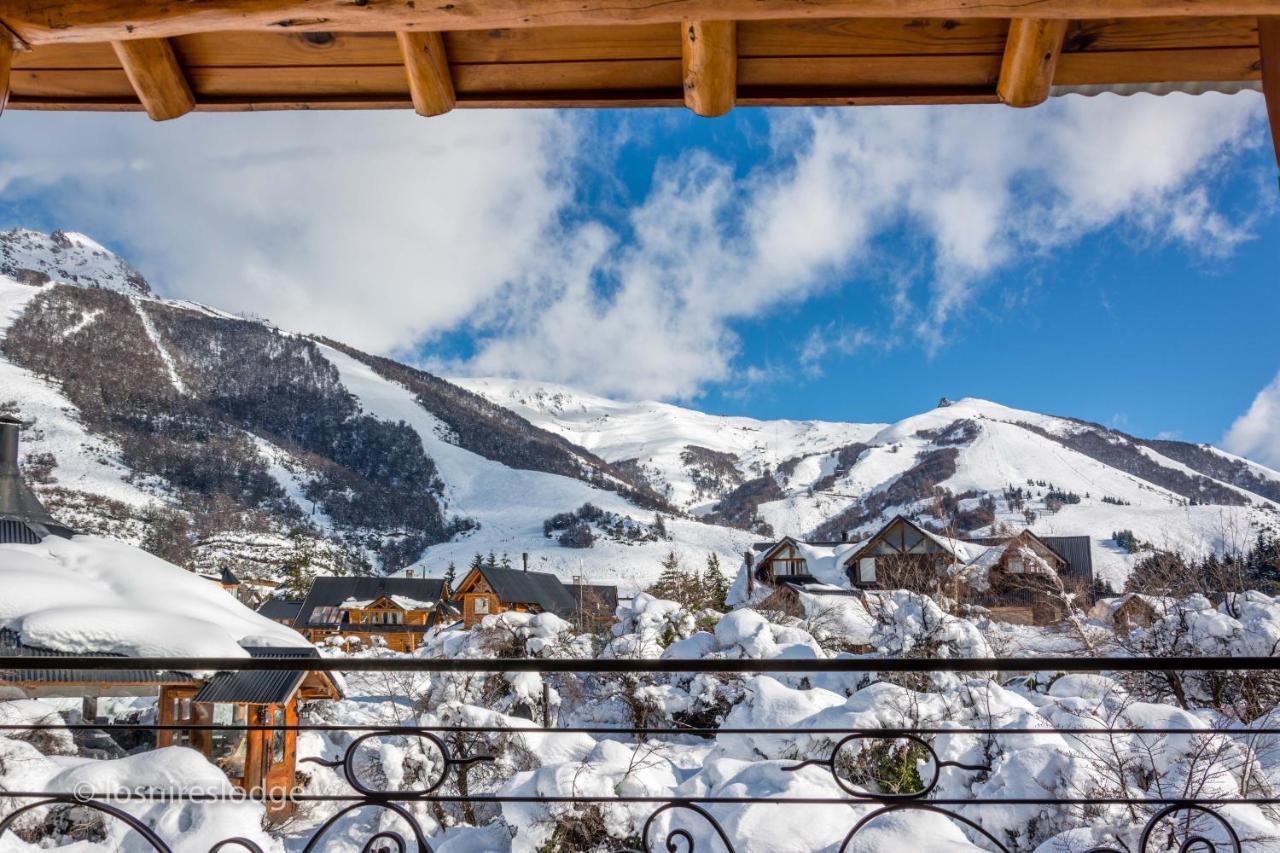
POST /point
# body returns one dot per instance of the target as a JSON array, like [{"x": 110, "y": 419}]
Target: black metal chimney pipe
[
  {"x": 23, "y": 519},
  {"x": 9, "y": 426}
]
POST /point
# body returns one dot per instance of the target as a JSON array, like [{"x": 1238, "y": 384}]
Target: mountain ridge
[{"x": 216, "y": 440}]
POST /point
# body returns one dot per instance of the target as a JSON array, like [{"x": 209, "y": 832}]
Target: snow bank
[{"x": 92, "y": 595}]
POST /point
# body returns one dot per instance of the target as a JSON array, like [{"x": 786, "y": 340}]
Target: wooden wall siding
[{"x": 837, "y": 61}]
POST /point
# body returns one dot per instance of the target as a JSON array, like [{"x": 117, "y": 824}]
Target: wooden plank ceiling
[{"x": 168, "y": 58}]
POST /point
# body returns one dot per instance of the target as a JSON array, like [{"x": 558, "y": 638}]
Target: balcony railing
[{"x": 676, "y": 823}]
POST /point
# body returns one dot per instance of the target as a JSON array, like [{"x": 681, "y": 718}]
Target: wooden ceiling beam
[
  {"x": 1030, "y": 59},
  {"x": 427, "y": 66},
  {"x": 6, "y": 68},
  {"x": 156, "y": 76},
  {"x": 709, "y": 61},
  {"x": 54, "y": 21},
  {"x": 1269, "y": 46}
]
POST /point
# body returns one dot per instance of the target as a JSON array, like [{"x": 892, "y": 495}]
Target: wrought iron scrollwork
[
  {"x": 395, "y": 838},
  {"x": 919, "y": 807},
  {"x": 831, "y": 763},
  {"x": 1193, "y": 841},
  {"x": 680, "y": 840},
  {"x": 347, "y": 763}
]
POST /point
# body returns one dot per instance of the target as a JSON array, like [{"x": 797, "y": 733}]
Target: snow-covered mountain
[
  {"x": 215, "y": 440},
  {"x": 693, "y": 458},
  {"x": 968, "y": 465}
]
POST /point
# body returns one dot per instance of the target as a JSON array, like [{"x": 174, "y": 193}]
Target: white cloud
[
  {"x": 1256, "y": 433},
  {"x": 378, "y": 229},
  {"x": 387, "y": 230}
]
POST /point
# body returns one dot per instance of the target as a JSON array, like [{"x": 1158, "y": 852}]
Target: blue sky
[{"x": 1111, "y": 259}]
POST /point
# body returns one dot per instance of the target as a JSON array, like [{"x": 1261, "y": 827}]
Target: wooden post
[
  {"x": 709, "y": 55},
  {"x": 427, "y": 66},
  {"x": 156, "y": 76},
  {"x": 1030, "y": 59},
  {"x": 1269, "y": 46},
  {"x": 6, "y": 67}
]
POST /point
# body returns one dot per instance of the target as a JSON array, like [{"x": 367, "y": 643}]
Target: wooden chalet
[
  {"x": 708, "y": 55},
  {"x": 1015, "y": 577},
  {"x": 489, "y": 590},
  {"x": 397, "y": 612},
  {"x": 252, "y": 760}
]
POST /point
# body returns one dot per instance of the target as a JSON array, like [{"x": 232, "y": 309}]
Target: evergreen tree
[
  {"x": 506, "y": 560},
  {"x": 715, "y": 585},
  {"x": 491, "y": 561},
  {"x": 450, "y": 576},
  {"x": 673, "y": 583},
  {"x": 477, "y": 562},
  {"x": 660, "y": 526}
]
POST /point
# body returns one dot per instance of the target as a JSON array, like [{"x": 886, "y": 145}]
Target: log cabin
[
  {"x": 395, "y": 612},
  {"x": 489, "y": 590}
]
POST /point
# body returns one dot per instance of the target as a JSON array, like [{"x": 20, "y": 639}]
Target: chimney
[
  {"x": 844, "y": 536},
  {"x": 750, "y": 560},
  {"x": 23, "y": 519},
  {"x": 524, "y": 559},
  {"x": 408, "y": 573}
]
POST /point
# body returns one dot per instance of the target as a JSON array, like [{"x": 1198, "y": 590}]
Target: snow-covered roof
[
  {"x": 90, "y": 595},
  {"x": 402, "y": 601}
]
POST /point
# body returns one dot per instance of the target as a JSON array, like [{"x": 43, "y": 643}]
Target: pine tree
[
  {"x": 673, "y": 583},
  {"x": 491, "y": 562},
  {"x": 450, "y": 576},
  {"x": 715, "y": 584},
  {"x": 506, "y": 560},
  {"x": 660, "y": 526},
  {"x": 477, "y": 562}
]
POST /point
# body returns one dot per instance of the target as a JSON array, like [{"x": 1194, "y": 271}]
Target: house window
[
  {"x": 277, "y": 738},
  {"x": 1016, "y": 566},
  {"x": 481, "y": 604},
  {"x": 228, "y": 747},
  {"x": 867, "y": 570},
  {"x": 326, "y": 615}
]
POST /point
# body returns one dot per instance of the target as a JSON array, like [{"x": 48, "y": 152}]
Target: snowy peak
[
  {"x": 692, "y": 458},
  {"x": 65, "y": 257}
]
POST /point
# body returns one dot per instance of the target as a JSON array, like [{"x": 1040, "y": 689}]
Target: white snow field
[{"x": 511, "y": 504}]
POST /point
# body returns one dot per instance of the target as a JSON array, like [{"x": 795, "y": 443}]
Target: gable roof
[
  {"x": 516, "y": 586},
  {"x": 333, "y": 591},
  {"x": 261, "y": 687},
  {"x": 963, "y": 550}
]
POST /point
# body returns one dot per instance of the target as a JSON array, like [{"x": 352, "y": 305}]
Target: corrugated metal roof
[
  {"x": 257, "y": 687},
  {"x": 1077, "y": 551},
  {"x": 332, "y": 591},
  {"x": 11, "y": 645}
]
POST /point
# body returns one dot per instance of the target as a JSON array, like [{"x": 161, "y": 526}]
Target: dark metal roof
[
  {"x": 11, "y": 645},
  {"x": 597, "y": 599},
  {"x": 545, "y": 590},
  {"x": 228, "y": 578},
  {"x": 332, "y": 591},
  {"x": 1077, "y": 551},
  {"x": 281, "y": 608},
  {"x": 23, "y": 519},
  {"x": 257, "y": 687}
]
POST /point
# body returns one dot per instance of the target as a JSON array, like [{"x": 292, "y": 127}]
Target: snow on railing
[{"x": 676, "y": 823}]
